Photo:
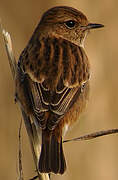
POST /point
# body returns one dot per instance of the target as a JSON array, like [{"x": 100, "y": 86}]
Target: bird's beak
[{"x": 94, "y": 26}]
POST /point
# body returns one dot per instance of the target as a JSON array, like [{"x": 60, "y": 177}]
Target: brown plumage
[{"x": 52, "y": 80}]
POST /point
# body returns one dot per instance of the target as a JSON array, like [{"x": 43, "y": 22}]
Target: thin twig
[
  {"x": 93, "y": 135},
  {"x": 9, "y": 50},
  {"x": 20, "y": 154}
]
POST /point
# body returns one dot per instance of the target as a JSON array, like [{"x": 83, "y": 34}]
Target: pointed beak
[{"x": 94, "y": 26}]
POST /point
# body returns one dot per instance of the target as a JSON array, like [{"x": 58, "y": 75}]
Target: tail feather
[
  {"x": 52, "y": 156},
  {"x": 55, "y": 155},
  {"x": 63, "y": 162},
  {"x": 44, "y": 161}
]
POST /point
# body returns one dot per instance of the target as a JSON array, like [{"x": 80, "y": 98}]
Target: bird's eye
[{"x": 70, "y": 24}]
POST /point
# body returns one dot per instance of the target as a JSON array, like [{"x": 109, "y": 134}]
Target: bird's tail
[{"x": 52, "y": 156}]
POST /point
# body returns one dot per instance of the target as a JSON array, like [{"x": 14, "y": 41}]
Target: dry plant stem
[
  {"x": 93, "y": 135},
  {"x": 8, "y": 45},
  {"x": 28, "y": 125},
  {"x": 20, "y": 154}
]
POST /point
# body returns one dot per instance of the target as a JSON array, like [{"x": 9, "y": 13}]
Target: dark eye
[{"x": 70, "y": 24}]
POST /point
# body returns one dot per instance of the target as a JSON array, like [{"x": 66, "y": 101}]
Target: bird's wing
[{"x": 57, "y": 103}]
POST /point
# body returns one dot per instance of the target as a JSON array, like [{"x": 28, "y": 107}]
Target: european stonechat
[{"x": 52, "y": 80}]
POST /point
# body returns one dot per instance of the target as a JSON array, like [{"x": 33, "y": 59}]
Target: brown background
[{"x": 90, "y": 160}]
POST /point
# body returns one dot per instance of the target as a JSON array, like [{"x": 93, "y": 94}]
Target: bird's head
[{"x": 67, "y": 23}]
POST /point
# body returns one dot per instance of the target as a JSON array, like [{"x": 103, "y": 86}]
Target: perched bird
[{"x": 52, "y": 80}]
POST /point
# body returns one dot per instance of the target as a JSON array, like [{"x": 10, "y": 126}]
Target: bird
[{"x": 52, "y": 80}]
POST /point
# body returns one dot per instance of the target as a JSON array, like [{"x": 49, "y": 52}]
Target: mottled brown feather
[{"x": 68, "y": 62}]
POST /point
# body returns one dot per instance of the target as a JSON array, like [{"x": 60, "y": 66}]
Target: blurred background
[{"x": 90, "y": 160}]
